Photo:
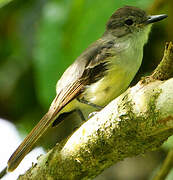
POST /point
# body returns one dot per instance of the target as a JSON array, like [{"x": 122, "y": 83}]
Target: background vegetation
[{"x": 40, "y": 39}]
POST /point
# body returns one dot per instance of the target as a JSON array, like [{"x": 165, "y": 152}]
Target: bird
[{"x": 101, "y": 73}]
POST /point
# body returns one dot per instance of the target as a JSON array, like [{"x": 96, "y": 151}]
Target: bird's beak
[{"x": 152, "y": 19}]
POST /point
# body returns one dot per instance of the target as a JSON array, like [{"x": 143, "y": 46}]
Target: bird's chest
[{"x": 120, "y": 73}]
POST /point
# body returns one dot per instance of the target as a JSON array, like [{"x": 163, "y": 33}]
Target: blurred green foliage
[{"x": 4, "y": 2}]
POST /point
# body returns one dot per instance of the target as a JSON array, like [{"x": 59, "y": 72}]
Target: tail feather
[
  {"x": 3, "y": 172},
  {"x": 28, "y": 143},
  {"x": 60, "y": 101}
]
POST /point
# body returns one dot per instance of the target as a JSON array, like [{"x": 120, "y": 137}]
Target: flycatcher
[{"x": 101, "y": 73}]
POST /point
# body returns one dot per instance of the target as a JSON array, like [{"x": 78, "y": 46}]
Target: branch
[
  {"x": 138, "y": 121},
  {"x": 166, "y": 167},
  {"x": 164, "y": 70}
]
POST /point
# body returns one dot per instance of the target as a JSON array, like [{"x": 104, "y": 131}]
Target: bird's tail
[
  {"x": 58, "y": 103},
  {"x": 3, "y": 172},
  {"x": 26, "y": 146}
]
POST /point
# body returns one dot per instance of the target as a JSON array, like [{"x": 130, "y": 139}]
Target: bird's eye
[{"x": 129, "y": 22}]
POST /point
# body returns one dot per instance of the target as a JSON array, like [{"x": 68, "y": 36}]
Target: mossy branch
[
  {"x": 139, "y": 120},
  {"x": 165, "y": 69}
]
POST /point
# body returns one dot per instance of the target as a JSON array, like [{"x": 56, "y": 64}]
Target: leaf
[{"x": 4, "y": 2}]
